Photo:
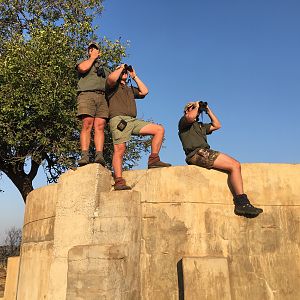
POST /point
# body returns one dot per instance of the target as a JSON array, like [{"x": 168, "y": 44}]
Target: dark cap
[{"x": 94, "y": 44}]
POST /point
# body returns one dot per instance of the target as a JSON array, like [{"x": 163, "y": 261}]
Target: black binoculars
[
  {"x": 202, "y": 107},
  {"x": 128, "y": 68}
]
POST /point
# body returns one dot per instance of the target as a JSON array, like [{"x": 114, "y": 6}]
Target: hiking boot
[
  {"x": 84, "y": 160},
  {"x": 243, "y": 207},
  {"x": 120, "y": 184},
  {"x": 155, "y": 162},
  {"x": 99, "y": 159}
]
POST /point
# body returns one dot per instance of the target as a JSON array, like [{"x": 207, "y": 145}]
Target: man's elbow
[
  {"x": 80, "y": 69},
  {"x": 144, "y": 93},
  {"x": 110, "y": 82}
]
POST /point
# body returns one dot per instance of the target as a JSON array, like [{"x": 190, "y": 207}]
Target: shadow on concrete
[{"x": 180, "y": 280}]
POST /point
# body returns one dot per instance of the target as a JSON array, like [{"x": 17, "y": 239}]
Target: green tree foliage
[{"x": 40, "y": 41}]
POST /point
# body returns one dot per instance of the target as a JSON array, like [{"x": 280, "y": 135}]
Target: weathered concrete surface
[
  {"x": 188, "y": 211},
  {"x": 77, "y": 196},
  {"x": 37, "y": 243},
  {"x": 11, "y": 278},
  {"x": 172, "y": 214},
  {"x": 109, "y": 269},
  {"x": 205, "y": 278}
]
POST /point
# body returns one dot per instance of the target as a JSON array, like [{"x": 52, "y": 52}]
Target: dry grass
[{"x": 2, "y": 280}]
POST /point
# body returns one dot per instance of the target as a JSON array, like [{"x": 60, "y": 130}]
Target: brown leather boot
[
  {"x": 84, "y": 160},
  {"x": 99, "y": 159},
  {"x": 155, "y": 162},
  {"x": 120, "y": 184}
]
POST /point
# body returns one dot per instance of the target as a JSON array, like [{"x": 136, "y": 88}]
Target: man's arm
[
  {"x": 87, "y": 64},
  {"x": 114, "y": 76},
  {"x": 143, "y": 90},
  {"x": 215, "y": 123}
]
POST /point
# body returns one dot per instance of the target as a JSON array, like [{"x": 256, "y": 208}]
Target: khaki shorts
[
  {"x": 133, "y": 127},
  {"x": 204, "y": 158},
  {"x": 92, "y": 104}
]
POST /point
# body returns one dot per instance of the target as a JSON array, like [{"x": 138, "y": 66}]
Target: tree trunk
[
  {"x": 23, "y": 183},
  {"x": 21, "y": 180}
]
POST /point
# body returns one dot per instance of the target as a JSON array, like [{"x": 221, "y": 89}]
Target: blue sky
[{"x": 240, "y": 56}]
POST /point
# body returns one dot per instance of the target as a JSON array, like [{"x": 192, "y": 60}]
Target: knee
[
  {"x": 87, "y": 125},
  {"x": 119, "y": 150},
  {"x": 99, "y": 124},
  {"x": 237, "y": 165},
  {"x": 160, "y": 130},
  {"x": 99, "y": 127}
]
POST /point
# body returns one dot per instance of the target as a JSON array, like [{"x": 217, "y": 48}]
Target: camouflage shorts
[{"x": 204, "y": 158}]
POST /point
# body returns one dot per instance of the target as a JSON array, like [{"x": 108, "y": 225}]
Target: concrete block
[
  {"x": 99, "y": 272},
  {"x": 11, "y": 282},
  {"x": 206, "y": 278}
]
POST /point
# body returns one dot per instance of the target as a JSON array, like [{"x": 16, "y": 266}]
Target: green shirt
[
  {"x": 90, "y": 81},
  {"x": 121, "y": 100},
  {"x": 193, "y": 136}
]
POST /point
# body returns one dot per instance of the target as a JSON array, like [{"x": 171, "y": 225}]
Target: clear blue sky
[{"x": 240, "y": 56}]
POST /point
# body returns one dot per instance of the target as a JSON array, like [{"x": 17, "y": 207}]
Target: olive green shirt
[
  {"x": 193, "y": 136},
  {"x": 90, "y": 81},
  {"x": 121, "y": 100}
]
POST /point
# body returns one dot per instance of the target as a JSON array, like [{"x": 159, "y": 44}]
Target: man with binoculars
[
  {"x": 92, "y": 107},
  {"x": 193, "y": 136},
  {"x": 123, "y": 122}
]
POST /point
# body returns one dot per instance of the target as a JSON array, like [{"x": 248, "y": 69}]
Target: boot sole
[
  {"x": 247, "y": 214},
  {"x": 81, "y": 165},
  {"x": 157, "y": 167},
  {"x": 122, "y": 188}
]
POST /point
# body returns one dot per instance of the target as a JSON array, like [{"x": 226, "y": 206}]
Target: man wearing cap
[
  {"x": 123, "y": 122},
  {"x": 92, "y": 107},
  {"x": 193, "y": 136}
]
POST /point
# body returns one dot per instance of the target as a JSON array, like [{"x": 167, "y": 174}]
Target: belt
[
  {"x": 95, "y": 91},
  {"x": 99, "y": 92}
]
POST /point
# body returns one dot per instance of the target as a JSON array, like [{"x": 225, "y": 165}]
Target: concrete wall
[
  {"x": 11, "y": 278},
  {"x": 188, "y": 212},
  {"x": 174, "y": 236}
]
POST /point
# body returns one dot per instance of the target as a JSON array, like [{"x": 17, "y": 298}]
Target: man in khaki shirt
[
  {"x": 123, "y": 122},
  {"x": 92, "y": 107}
]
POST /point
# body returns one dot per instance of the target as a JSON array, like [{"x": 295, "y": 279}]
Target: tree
[
  {"x": 39, "y": 43},
  {"x": 11, "y": 244}
]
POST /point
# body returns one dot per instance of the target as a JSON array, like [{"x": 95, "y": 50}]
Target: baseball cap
[
  {"x": 188, "y": 105},
  {"x": 94, "y": 44}
]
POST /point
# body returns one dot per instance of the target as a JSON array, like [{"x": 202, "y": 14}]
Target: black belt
[{"x": 95, "y": 91}]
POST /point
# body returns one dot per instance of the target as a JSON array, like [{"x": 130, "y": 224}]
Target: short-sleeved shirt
[
  {"x": 121, "y": 100},
  {"x": 193, "y": 136},
  {"x": 90, "y": 81}
]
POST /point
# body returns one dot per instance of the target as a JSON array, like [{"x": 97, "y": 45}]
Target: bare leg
[
  {"x": 85, "y": 134},
  {"x": 158, "y": 134},
  {"x": 117, "y": 160},
  {"x": 233, "y": 168},
  {"x": 99, "y": 125}
]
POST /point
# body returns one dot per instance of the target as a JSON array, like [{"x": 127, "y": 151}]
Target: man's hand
[
  {"x": 132, "y": 73},
  {"x": 120, "y": 66},
  {"x": 87, "y": 64},
  {"x": 94, "y": 53}
]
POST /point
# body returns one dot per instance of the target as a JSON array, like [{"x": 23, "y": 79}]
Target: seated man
[
  {"x": 194, "y": 141},
  {"x": 123, "y": 122}
]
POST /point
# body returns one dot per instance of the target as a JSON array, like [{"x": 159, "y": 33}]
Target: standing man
[
  {"x": 194, "y": 141},
  {"x": 123, "y": 122},
  {"x": 92, "y": 107}
]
